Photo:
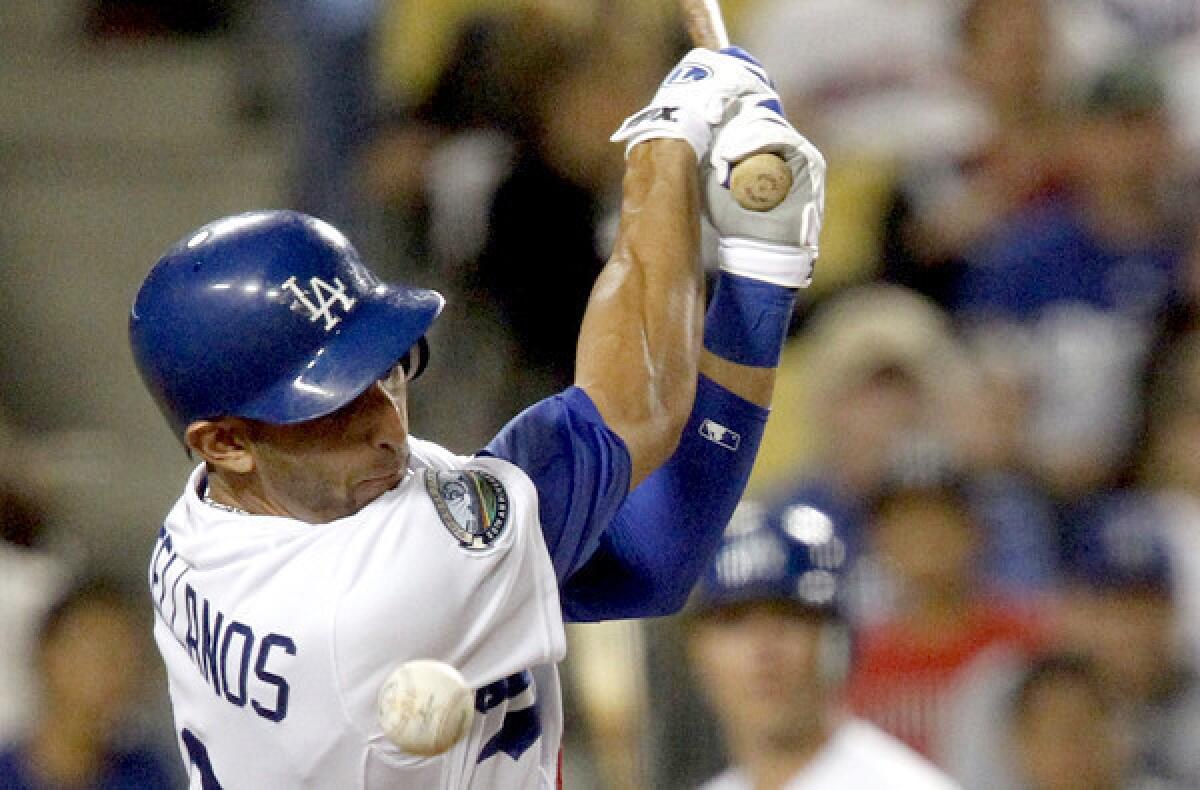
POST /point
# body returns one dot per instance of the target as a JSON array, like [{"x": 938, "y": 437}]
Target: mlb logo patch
[{"x": 718, "y": 434}]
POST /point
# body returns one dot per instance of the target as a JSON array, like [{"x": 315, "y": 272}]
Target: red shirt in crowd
[{"x": 904, "y": 683}]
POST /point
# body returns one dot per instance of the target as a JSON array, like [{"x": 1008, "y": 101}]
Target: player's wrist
[
  {"x": 696, "y": 132},
  {"x": 665, "y": 159},
  {"x": 785, "y": 265},
  {"x": 748, "y": 320}
]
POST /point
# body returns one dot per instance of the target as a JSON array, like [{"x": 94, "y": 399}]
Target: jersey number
[
  {"x": 521, "y": 727},
  {"x": 198, "y": 755}
]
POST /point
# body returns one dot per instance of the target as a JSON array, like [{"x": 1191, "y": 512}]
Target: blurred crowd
[{"x": 991, "y": 391}]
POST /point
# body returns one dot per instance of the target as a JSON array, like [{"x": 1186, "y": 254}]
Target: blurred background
[{"x": 1008, "y": 297}]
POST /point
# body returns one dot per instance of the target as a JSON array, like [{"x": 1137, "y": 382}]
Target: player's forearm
[
  {"x": 666, "y": 531},
  {"x": 639, "y": 345}
]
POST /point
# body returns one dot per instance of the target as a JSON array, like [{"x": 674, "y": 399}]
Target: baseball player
[
  {"x": 318, "y": 544},
  {"x": 770, "y": 646}
]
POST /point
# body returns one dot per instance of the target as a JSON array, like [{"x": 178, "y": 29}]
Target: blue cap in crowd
[
  {"x": 1120, "y": 547},
  {"x": 798, "y": 558}
]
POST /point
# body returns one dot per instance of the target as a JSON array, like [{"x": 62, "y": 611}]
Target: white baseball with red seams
[{"x": 425, "y": 707}]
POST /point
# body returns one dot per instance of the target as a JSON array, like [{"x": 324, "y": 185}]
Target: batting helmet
[
  {"x": 271, "y": 316},
  {"x": 798, "y": 557}
]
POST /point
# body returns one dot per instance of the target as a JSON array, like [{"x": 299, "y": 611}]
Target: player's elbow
[
  {"x": 663, "y": 436},
  {"x": 650, "y": 425},
  {"x": 658, "y": 435}
]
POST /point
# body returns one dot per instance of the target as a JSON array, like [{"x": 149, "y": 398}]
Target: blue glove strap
[{"x": 747, "y": 320}]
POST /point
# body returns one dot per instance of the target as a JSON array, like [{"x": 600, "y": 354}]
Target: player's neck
[{"x": 238, "y": 497}]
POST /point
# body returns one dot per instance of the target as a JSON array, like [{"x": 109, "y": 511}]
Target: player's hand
[
  {"x": 694, "y": 98},
  {"x": 780, "y": 245}
]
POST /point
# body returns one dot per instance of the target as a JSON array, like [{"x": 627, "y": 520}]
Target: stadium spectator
[
  {"x": 1100, "y": 32},
  {"x": 570, "y": 171},
  {"x": 891, "y": 367},
  {"x": 771, "y": 650},
  {"x": 1171, "y": 469},
  {"x": 460, "y": 170},
  {"x": 942, "y": 205},
  {"x": 1063, "y": 730},
  {"x": 1114, "y": 242},
  {"x": 1119, "y": 610},
  {"x": 912, "y": 669},
  {"x": 88, "y": 663},
  {"x": 30, "y": 580},
  {"x": 869, "y": 65},
  {"x": 310, "y": 65},
  {"x": 1084, "y": 276},
  {"x": 876, "y": 82}
]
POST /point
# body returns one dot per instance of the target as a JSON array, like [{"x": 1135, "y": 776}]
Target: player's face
[
  {"x": 331, "y": 467},
  {"x": 760, "y": 665}
]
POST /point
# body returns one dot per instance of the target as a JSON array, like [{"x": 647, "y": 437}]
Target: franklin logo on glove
[{"x": 687, "y": 73}]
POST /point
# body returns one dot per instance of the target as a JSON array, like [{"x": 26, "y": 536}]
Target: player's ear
[{"x": 222, "y": 443}]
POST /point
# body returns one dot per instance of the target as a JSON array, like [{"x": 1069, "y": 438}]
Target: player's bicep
[{"x": 580, "y": 467}]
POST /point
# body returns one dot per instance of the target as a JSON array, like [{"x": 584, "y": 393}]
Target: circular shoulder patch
[{"x": 472, "y": 504}]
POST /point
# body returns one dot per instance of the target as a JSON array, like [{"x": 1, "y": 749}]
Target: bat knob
[{"x": 760, "y": 182}]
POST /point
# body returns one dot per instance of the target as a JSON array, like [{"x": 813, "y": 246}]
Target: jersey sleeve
[{"x": 579, "y": 466}]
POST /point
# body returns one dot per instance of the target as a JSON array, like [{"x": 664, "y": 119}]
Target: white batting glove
[
  {"x": 694, "y": 98},
  {"x": 777, "y": 246}
]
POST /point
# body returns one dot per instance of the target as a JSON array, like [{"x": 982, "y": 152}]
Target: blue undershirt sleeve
[
  {"x": 580, "y": 467},
  {"x": 669, "y": 527},
  {"x": 621, "y": 554}
]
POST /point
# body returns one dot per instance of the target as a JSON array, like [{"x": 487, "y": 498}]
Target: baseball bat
[{"x": 759, "y": 182}]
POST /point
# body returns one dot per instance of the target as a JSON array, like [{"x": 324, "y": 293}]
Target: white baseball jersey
[
  {"x": 277, "y": 635},
  {"x": 858, "y": 755}
]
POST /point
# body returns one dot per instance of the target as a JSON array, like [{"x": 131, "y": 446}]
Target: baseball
[{"x": 425, "y": 707}]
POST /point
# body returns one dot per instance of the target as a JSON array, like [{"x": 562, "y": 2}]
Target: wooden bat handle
[
  {"x": 705, "y": 25},
  {"x": 762, "y": 181}
]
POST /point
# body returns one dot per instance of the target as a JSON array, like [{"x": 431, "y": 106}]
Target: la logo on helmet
[{"x": 326, "y": 296}]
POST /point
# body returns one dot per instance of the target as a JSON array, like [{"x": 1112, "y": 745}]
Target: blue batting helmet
[
  {"x": 272, "y": 316},
  {"x": 798, "y": 558}
]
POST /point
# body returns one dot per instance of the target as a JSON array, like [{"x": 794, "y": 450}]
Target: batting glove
[
  {"x": 777, "y": 246},
  {"x": 694, "y": 98}
]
